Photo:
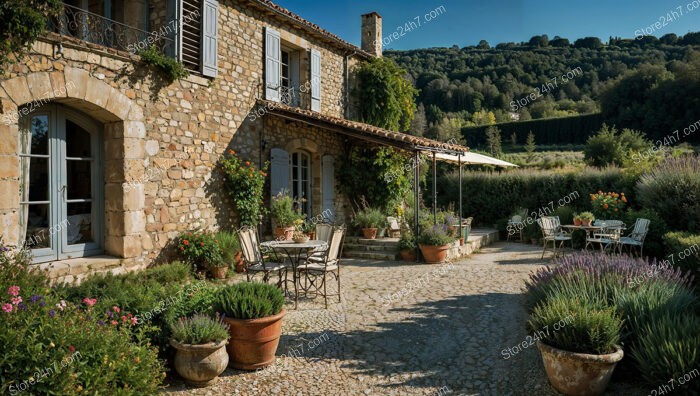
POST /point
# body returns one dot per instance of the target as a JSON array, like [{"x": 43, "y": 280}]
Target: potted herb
[
  {"x": 434, "y": 242},
  {"x": 253, "y": 312},
  {"x": 200, "y": 343},
  {"x": 201, "y": 249},
  {"x": 577, "y": 219},
  {"x": 284, "y": 216},
  {"x": 579, "y": 343},
  {"x": 586, "y": 218},
  {"x": 231, "y": 250},
  {"x": 407, "y": 247},
  {"x": 300, "y": 237},
  {"x": 369, "y": 220}
]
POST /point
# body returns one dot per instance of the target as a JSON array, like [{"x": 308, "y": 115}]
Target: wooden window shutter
[
  {"x": 279, "y": 171},
  {"x": 315, "y": 80},
  {"x": 273, "y": 55},
  {"x": 210, "y": 37},
  {"x": 191, "y": 34}
]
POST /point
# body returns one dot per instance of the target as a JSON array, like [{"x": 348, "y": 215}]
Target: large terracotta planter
[
  {"x": 408, "y": 254},
  {"x": 577, "y": 222},
  {"x": 578, "y": 373},
  {"x": 586, "y": 222},
  {"x": 284, "y": 233},
  {"x": 370, "y": 233},
  {"x": 434, "y": 254},
  {"x": 218, "y": 272},
  {"x": 254, "y": 341},
  {"x": 200, "y": 365}
]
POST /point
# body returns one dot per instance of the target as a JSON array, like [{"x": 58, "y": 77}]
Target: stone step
[
  {"x": 389, "y": 256},
  {"x": 369, "y": 248},
  {"x": 374, "y": 242}
]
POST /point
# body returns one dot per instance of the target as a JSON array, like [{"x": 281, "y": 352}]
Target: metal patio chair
[
  {"x": 636, "y": 237},
  {"x": 607, "y": 237},
  {"x": 256, "y": 263},
  {"x": 552, "y": 232},
  {"x": 313, "y": 273}
]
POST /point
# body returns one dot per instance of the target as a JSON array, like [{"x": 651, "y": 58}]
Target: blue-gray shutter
[
  {"x": 172, "y": 28},
  {"x": 210, "y": 37},
  {"x": 315, "y": 80},
  {"x": 328, "y": 187},
  {"x": 273, "y": 58},
  {"x": 279, "y": 171}
]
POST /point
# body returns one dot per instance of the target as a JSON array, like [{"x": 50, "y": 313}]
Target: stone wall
[{"x": 159, "y": 171}]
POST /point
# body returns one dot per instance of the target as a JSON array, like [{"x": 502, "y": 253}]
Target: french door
[{"x": 61, "y": 202}]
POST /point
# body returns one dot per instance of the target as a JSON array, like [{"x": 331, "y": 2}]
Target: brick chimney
[{"x": 372, "y": 33}]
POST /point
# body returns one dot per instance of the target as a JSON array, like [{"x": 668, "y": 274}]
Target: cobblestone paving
[{"x": 406, "y": 329}]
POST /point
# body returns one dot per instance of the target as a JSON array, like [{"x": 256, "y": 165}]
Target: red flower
[
  {"x": 201, "y": 243},
  {"x": 247, "y": 163},
  {"x": 185, "y": 242},
  {"x": 71, "y": 348}
]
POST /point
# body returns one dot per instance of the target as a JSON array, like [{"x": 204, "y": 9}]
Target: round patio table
[
  {"x": 293, "y": 251},
  {"x": 589, "y": 229}
]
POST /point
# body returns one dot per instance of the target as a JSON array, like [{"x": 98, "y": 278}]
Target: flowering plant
[
  {"x": 200, "y": 248},
  {"x": 283, "y": 212},
  {"x": 245, "y": 186},
  {"x": 608, "y": 205}
]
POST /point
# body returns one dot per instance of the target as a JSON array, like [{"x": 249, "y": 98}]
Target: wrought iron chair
[
  {"x": 636, "y": 237},
  {"x": 313, "y": 273},
  {"x": 607, "y": 237},
  {"x": 324, "y": 231},
  {"x": 552, "y": 232},
  {"x": 515, "y": 222},
  {"x": 256, "y": 263}
]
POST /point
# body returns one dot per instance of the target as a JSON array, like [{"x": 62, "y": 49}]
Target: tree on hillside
[
  {"x": 588, "y": 42},
  {"x": 483, "y": 44},
  {"x": 493, "y": 140},
  {"x": 559, "y": 42},
  {"x": 670, "y": 39},
  {"x": 530, "y": 146},
  {"x": 386, "y": 98},
  {"x": 420, "y": 122},
  {"x": 539, "y": 41}
]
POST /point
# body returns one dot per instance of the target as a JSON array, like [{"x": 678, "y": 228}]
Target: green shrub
[
  {"x": 249, "y": 301},
  {"x": 608, "y": 147},
  {"x": 283, "y": 212},
  {"x": 673, "y": 190},
  {"x": 23, "y": 22},
  {"x": 229, "y": 245},
  {"x": 245, "y": 185},
  {"x": 683, "y": 250},
  {"x": 577, "y": 326},
  {"x": 199, "y": 248},
  {"x": 435, "y": 236},
  {"x": 194, "y": 298},
  {"x": 171, "y": 68},
  {"x": 199, "y": 329},
  {"x": 407, "y": 241},
  {"x": 16, "y": 270},
  {"x": 653, "y": 244},
  {"x": 369, "y": 218},
  {"x": 175, "y": 272},
  {"x": 669, "y": 348}
]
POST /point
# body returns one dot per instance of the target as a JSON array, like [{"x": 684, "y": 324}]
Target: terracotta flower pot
[
  {"x": 370, "y": 233},
  {"x": 200, "y": 365},
  {"x": 312, "y": 235},
  {"x": 434, "y": 254},
  {"x": 586, "y": 222},
  {"x": 218, "y": 272},
  {"x": 240, "y": 265},
  {"x": 254, "y": 341},
  {"x": 578, "y": 373},
  {"x": 284, "y": 233},
  {"x": 461, "y": 241},
  {"x": 577, "y": 222},
  {"x": 408, "y": 255}
]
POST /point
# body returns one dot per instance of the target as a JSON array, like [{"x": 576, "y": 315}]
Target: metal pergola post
[
  {"x": 459, "y": 162},
  {"x": 416, "y": 198},
  {"x": 434, "y": 188}
]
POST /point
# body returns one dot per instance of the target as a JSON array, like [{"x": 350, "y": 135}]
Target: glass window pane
[
  {"x": 79, "y": 179},
  {"x": 38, "y": 234},
  {"x": 35, "y": 140},
  {"x": 79, "y": 223},
  {"x": 38, "y": 178},
  {"x": 77, "y": 141}
]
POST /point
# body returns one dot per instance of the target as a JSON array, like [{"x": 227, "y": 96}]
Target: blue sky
[{"x": 465, "y": 22}]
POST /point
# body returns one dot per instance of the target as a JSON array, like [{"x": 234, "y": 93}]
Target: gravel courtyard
[{"x": 407, "y": 329}]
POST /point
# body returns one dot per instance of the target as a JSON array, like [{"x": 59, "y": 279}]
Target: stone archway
[{"x": 124, "y": 151}]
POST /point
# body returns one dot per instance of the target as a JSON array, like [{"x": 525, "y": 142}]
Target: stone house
[{"x": 103, "y": 162}]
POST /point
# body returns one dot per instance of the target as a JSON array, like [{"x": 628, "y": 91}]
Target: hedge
[
  {"x": 552, "y": 131},
  {"x": 683, "y": 250}
]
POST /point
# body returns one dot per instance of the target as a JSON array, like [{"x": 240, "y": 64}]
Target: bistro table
[
  {"x": 293, "y": 251},
  {"x": 590, "y": 229}
]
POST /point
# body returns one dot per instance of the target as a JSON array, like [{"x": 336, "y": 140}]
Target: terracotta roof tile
[{"x": 302, "y": 115}]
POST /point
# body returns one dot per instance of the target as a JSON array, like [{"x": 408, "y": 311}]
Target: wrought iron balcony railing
[{"x": 87, "y": 26}]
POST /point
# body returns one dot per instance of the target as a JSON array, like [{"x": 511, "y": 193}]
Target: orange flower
[
  {"x": 247, "y": 163},
  {"x": 186, "y": 242},
  {"x": 624, "y": 199},
  {"x": 605, "y": 206},
  {"x": 230, "y": 151},
  {"x": 201, "y": 243}
]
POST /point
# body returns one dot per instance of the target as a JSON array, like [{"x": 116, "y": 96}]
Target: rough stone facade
[{"x": 162, "y": 141}]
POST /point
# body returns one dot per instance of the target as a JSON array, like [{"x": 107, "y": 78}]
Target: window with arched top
[{"x": 300, "y": 180}]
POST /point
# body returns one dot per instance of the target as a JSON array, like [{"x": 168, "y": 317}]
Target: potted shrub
[
  {"x": 284, "y": 216},
  {"x": 300, "y": 237},
  {"x": 407, "y": 247},
  {"x": 200, "y": 343},
  {"x": 230, "y": 250},
  {"x": 577, "y": 219},
  {"x": 434, "y": 242},
  {"x": 586, "y": 218},
  {"x": 579, "y": 343},
  {"x": 253, "y": 312},
  {"x": 369, "y": 220},
  {"x": 201, "y": 249}
]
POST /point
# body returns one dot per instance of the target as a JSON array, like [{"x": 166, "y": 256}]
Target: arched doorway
[{"x": 61, "y": 184}]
